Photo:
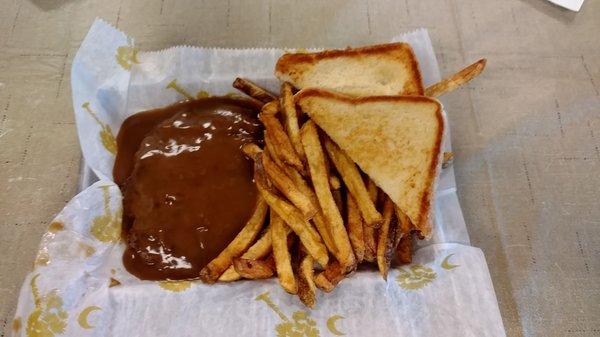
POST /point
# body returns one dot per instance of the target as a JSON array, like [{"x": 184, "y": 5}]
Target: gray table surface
[{"x": 526, "y": 134}]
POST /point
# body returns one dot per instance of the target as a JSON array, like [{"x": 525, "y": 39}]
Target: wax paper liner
[{"x": 79, "y": 286}]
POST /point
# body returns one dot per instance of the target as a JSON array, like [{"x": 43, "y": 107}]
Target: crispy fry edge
[{"x": 211, "y": 272}]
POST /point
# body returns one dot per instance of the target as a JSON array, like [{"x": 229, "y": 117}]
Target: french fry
[
  {"x": 323, "y": 283},
  {"x": 306, "y": 284},
  {"x": 372, "y": 189},
  {"x": 253, "y": 269},
  {"x": 291, "y": 215},
  {"x": 319, "y": 219},
  {"x": 355, "y": 228},
  {"x": 331, "y": 276},
  {"x": 211, "y": 272},
  {"x": 290, "y": 116},
  {"x": 386, "y": 239},
  {"x": 253, "y": 90},
  {"x": 404, "y": 249},
  {"x": 325, "y": 231},
  {"x": 260, "y": 249},
  {"x": 334, "y": 182},
  {"x": 404, "y": 223},
  {"x": 451, "y": 83},
  {"x": 281, "y": 145},
  {"x": 353, "y": 180},
  {"x": 369, "y": 232},
  {"x": 251, "y": 150},
  {"x": 318, "y": 173},
  {"x": 287, "y": 180},
  {"x": 339, "y": 200},
  {"x": 288, "y": 188},
  {"x": 281, "y": 253}
]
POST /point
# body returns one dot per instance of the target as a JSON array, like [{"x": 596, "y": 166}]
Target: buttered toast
[
  {"x": 395, "y": 140},
  {"x": 386, "y": 69}
]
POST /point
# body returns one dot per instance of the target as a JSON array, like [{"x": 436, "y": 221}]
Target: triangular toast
[
  {"x": 395, "y": 140},
  {"x": 386, "y": 69}
]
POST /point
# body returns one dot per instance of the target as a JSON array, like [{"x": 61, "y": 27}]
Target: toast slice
[
  {"x": 386, "y": 69},
  {"x": 395, "y": 140}
]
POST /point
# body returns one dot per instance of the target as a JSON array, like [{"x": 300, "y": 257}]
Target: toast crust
[
  {"x": 423, "y": 223},
  {"x": 287, "y": 62}
]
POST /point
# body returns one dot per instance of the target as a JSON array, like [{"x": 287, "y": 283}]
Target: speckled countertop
[{"x": 526, "y": 134}]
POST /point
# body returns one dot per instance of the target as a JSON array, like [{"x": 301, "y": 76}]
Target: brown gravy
[{"x": 187, "y": 187}]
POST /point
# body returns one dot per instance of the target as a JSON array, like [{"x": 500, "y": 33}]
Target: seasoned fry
[
  {"x": 331, "y": 276},
  {"x": 253, "y": 90},
  {"x": 257, "y": 251},
  {"x": 319, "y": 219},
  {"x": 448, "y": 159},
  {"x": 325, "y": 231},
  {"x": 318, "y": 173},
  {"x": 339, "y": 200},
  {"x": 404, "y": 249},
  {"x": 271, "y": 108},
  {"x": 281, "y": 253},
  {"x": 288, "y": 188},
  {"x": 291, "y": 215},
  {"x": 269, "y": 149},
  {"x": 253, "y": 269},
  {"x": 281, "y": 145},
  {"x": 334, "y": 182},
  {"x": 290, "y": 116},
  {"x": 385, "y": 241},
  {"x": 306, "y": 284},
  {"x": 451, "y": 83},
  {"x": 404, "y": 223},
  {"x": 251, "y": 150},
  {"x": 211, "y": 272},
  {"x": 369, "y": 232},
  {"x": 323, "y": 283},
  {"x": 353, "y": 180},
  {"x": 355, "y": 228},
  {"x": 287, "y": 180}
]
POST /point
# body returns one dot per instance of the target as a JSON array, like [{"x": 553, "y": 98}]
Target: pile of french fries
[
  {"x": 323, "y": 211},
  {"x": 326, "y": 217}
]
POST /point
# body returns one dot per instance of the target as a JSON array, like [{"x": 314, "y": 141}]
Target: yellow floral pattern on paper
[
  {"x": 332, "y": 326},
  {"x": 126, "y": 56},
  {"x": 48, "y": 317},
  {"x": 415, "y": 277},
  {"x": 86, "y": 249},
  {"x": 106, "y": 135},
  {"x": 56, "y": 226},
  {"x": 42, "y": 258},
  {"x": 202, "y": 94},
  {"x": 83, "y": 320},
  {"x": 175, "y": 286},
  {"x": 183, "y": 92},
  {"x": 301, "y": 324},
  {"x": 113, "y": 282},
  {"x": 447, "y": 265},
  {"x": 107, "y": 227},
  {"x": 16, "y": 325}
]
